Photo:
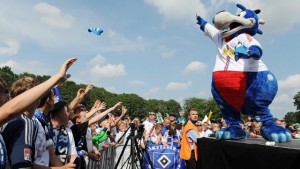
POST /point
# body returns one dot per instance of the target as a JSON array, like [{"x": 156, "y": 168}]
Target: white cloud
[
  {"x": 205, "y": 94},
  {"x": 135, "y": 82},
  {"x": 282, "y": 104},
  {"x": 11, "y": 48},
  {"x": 153, "y": 91},
  {"x": 179, "y": 10},
  {"x": 284, "y": 101},
  {"x": 284, "y": 98},
  {"x": 194, "y": 66},
  {"x": 98, "y": 60},
  {"x": 280, "y": 17},
  {"x": 97, "y": 69},
  {"x": 52, "y": 16},
  {"x": 165, "y": 52},
  {"x": 121, "y": 43},
  {"x": 34, "y": 67},
  {"x": 178, "y": 86},
  {"x": 40, "y": 24},
  {"x": 290, "y": 82}
]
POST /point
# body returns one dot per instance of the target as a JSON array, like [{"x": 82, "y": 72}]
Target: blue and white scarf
[{"x": 62, "y": 145}]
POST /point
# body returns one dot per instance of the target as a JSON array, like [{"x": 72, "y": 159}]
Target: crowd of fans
[{"x": 41, "y": 130}]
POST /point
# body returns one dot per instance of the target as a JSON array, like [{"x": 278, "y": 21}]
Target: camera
[{"x": 140, "y": 131}]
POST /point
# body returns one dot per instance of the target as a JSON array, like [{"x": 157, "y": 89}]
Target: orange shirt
[{"x": 185, "y": 151}]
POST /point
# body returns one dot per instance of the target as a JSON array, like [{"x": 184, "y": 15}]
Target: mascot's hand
[
  {"x": 255, "y": 52},
  {"x": 201, "y": 22},
  {"x": 242, "y": 52}
]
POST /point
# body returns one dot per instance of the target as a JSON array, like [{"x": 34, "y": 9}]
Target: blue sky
[{"x": 149, "y": 47}]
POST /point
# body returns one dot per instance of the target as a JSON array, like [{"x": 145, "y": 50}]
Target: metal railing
[{"x": 107, "y": 160}]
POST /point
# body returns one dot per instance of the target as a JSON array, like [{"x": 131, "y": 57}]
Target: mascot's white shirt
[{"x": 225, "y": 56}]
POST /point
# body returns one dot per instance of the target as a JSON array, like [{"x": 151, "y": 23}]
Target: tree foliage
[
  {"x": 297, "y": 100},
  {"x": 292, "y": 117},
  {"x": 204, "y": 106},
  {"x": 136, "y": 105}
]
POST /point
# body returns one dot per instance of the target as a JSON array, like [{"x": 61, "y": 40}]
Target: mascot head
[{"x": 246, "y": 21}]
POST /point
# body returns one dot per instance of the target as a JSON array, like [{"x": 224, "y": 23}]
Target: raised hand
[
  {"x": 63, "y": 69},
  {"x": 124, "y": 110},
  {"x": 81, "y": 92},
  {"x": 201, "y": 22},
  {"x": 101, "y": 106},
  {"x": 88, "y": 88},
  {"x": 117, "y": 105},
  {"x": 96, "y": 104}
]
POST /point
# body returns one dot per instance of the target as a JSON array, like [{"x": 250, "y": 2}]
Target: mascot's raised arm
[{"x": 241, "y": 81}]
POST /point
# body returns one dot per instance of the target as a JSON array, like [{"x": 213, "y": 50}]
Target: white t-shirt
[
  {"x": 225, "y": 56},
  {"x": 147, "y": 125},
  {"x": 120, "y": 134},
  {"x": 41, "y": 155}
]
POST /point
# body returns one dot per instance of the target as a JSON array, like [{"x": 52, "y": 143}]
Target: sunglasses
[
  {"x": 199, "y": 125},
  {"x": 152, "y": 114}
]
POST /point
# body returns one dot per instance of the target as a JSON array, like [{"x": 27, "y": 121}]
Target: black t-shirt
[{"x": 79, "y": 133}]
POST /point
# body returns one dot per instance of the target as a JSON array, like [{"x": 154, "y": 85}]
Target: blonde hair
[
  {"x": 22, "y": 85},
  {"x": 158, "y": 126}
]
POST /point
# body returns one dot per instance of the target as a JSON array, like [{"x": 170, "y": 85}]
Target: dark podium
[{"x": 247, "y": 154}]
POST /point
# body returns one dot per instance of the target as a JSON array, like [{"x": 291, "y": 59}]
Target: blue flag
[{"x": 163, "y": 157}]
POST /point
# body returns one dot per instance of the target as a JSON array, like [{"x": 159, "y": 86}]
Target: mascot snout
[{"x": 231, "y": 23}]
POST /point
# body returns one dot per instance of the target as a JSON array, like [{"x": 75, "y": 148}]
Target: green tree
[
  {"x": 172, "y": 106},
  {"x": 297, "y": 100},
  {"x": 7, "y": 74},
  {"x": 204, "y": 106},
  {"x": 134, "y": 104},
  {"x": 292, "y": 117}
]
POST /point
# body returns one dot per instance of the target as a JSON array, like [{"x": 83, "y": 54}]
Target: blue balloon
[{"x": 97, "y": 31}]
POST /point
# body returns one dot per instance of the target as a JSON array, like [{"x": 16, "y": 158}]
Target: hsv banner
[{"x": 163, "y": 157}]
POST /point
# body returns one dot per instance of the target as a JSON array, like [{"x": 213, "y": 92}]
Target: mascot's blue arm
[
  {"x": 254, "y": 52},
  {"x": 201, "y": 22}
]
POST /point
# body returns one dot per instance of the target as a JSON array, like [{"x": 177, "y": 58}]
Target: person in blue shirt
[
  {"x": 181, "y": 119},
  {"x": 166, "y": 125}
]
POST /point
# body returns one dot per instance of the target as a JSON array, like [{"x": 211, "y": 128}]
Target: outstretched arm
[
  {"x": 80, "y": 95},
  {"x": 209, "y": 29},
  {"x": 114, "y": 123},
  {"x": 19, "y": 104},
  {"x": 98, "y": 106},
  {"x": 101, "y": 115}
]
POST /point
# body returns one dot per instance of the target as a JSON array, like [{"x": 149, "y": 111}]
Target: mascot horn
[{"x": 241, "y": 81}]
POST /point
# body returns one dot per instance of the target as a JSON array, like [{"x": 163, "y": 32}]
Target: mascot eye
[{"x": 242, "y": 14}]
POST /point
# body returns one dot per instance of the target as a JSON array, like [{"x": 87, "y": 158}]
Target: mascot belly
[{"x": 241, "y": 81}]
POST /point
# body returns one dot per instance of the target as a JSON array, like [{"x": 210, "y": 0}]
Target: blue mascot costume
[{"x": 241, "y": 81}]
